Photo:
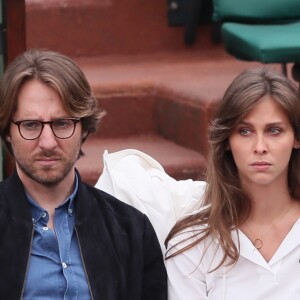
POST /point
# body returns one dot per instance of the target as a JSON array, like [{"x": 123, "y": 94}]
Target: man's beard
[
  {"x": 47, "y": 175},
  {"x": 47, "y": 180}
]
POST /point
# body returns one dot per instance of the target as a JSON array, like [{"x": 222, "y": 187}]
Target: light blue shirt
[{"x": 55, "y": 267}]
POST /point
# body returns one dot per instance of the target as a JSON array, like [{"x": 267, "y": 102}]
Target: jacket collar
[{"x": 16, "y": 198}]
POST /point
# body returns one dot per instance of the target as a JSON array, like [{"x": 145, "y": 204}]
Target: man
[{"x": 59, "y": 237}]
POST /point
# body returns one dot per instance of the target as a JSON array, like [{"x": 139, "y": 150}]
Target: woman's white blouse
[
  {"x": 137, "y": 179},
  {"x": 251, "y": 278}
]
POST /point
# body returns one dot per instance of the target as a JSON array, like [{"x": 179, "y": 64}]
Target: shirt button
[
  {"x": 44, "y": 215},
  {"x": 45, "y": 228},
  {"x": 64, "y": 265},
  {"x": 70, "y": 211}
]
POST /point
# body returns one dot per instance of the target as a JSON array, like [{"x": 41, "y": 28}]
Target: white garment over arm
[{"x": 139, "y": 180}]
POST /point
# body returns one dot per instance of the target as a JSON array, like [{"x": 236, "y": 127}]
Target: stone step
[
  {"x": 178, "y": 161},
  {"x": 106, "y": 27},
  {"x": 173, "y": 95}
]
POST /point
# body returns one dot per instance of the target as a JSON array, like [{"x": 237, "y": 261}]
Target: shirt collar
[{"x": 38, "y": 212}]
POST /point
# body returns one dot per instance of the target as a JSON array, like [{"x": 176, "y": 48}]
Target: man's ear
[
  {"x": 84, "y": 135},
  {"x": 8, "y": 138}
]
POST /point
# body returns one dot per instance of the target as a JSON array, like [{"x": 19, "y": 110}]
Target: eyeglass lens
[{"x": 61, "y": 128}]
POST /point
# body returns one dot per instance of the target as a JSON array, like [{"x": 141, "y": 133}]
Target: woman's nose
[{"x": 260, "y": 146}]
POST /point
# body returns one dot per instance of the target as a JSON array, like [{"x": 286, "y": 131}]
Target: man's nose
[{"x": 47, "y": 139}]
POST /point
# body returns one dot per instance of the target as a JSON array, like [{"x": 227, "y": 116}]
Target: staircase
[{"x": 159, "y": 94}]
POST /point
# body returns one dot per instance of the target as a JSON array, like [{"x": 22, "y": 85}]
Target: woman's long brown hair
[{"x": 226, "y": 205}]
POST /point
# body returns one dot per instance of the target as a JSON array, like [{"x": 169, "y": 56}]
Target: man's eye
[
  {"x": 30, "y": 125},
  {"x": 62, "y": 123}
]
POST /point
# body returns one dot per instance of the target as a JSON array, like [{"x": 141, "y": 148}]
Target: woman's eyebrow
[{"x": 242, "y": 122}]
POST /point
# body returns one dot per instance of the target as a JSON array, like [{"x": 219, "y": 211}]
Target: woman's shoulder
[
  {"x": 192, "y": 235},
  {"x": 197, "y": 231},
  {"x": 194, "y": 250}
]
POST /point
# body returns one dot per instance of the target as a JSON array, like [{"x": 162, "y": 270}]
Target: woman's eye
[
  {"x": 244, "y": 131},
  {"x": 274, "y": 131}
]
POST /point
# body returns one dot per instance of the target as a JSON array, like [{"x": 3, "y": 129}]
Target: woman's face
[{"x": 261, "y": 145}]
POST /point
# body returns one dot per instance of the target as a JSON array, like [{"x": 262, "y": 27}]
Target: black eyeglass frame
[{"x": 74, "y": 120}]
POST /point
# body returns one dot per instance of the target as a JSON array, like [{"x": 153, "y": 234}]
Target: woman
[{"x": 244, "y": 243}]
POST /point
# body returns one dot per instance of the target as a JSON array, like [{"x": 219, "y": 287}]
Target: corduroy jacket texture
[{"x": 120, "y": 251}]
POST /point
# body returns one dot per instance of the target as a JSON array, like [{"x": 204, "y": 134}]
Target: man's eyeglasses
[{"x": 61, "y": 128}]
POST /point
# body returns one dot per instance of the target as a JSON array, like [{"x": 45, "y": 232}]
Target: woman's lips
[{"x": 261, "y": 165}]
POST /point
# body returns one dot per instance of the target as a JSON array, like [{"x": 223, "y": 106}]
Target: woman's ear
[{"x": 296, "y": 144}]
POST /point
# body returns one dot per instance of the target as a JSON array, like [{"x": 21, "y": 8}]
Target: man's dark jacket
[{"x": 120, "y": 250}]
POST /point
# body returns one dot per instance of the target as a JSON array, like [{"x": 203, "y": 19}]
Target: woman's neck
[{"x": 268, "y": 202}]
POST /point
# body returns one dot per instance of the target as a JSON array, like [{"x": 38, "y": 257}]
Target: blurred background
[{"x": 159, "y": 68}]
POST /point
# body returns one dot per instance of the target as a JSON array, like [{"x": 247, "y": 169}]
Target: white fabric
[
  {"x": 139, "y": 180},
  {"x": 252, "y": 278}
]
